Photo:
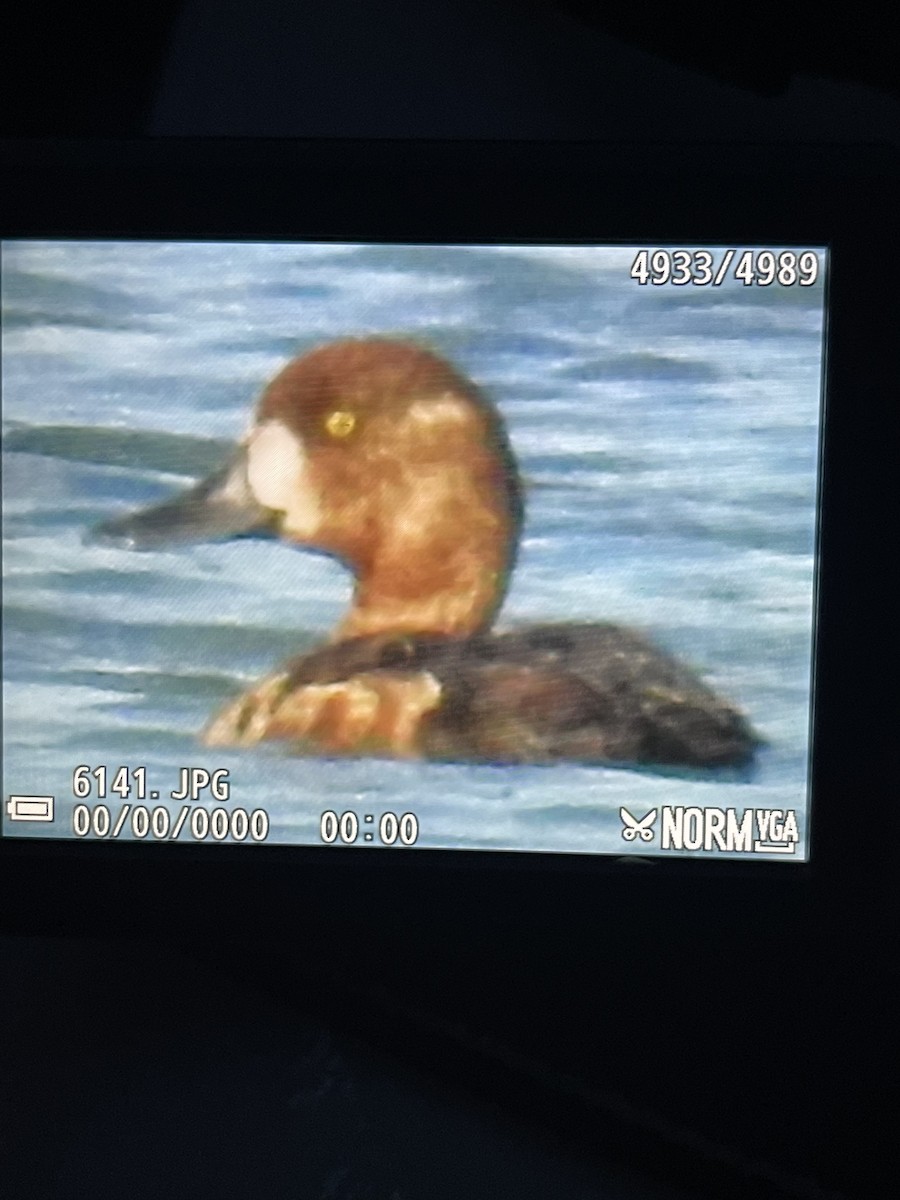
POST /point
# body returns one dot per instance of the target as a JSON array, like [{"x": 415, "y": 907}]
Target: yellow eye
[{"x": 340, "y": 424}]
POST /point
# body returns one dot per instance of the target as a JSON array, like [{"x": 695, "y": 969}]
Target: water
[{"x": 668, "y": 437}]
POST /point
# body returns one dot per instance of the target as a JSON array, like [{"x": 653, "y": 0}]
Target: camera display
[{"x": 497, "y": 548}]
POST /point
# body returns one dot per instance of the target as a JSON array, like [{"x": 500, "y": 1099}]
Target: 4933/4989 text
[{"x": 762, "y": 268}]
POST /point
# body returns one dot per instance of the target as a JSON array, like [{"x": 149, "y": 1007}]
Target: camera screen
[{"x": 494, "y": 548}]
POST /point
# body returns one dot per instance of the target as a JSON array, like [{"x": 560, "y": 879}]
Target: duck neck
[{"x": 435, "y": 577}]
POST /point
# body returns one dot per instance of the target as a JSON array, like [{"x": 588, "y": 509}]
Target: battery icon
[{"x": 30, "y": 808}]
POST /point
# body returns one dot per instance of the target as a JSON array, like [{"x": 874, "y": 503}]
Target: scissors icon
[{"x": 634, "y": 828}]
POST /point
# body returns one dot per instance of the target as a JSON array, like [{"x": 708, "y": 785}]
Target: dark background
[
  {"x": 789, "y": 72},
  {"x": 482, "y": 1031}
]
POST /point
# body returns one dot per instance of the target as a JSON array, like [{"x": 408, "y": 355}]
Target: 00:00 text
[{"x": 392, "y": 830}]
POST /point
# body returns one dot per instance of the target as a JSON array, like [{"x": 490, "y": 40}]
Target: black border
[
  {"x": 496, "y": 945},
  {"x": 440, "y": 192},
  {"x": 483, "y": 192}
]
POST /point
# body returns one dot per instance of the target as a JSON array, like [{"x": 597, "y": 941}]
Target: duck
[{"x": 379, "y": 452}]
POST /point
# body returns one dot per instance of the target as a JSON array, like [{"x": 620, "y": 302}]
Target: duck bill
[{"x": 217, "y": 509}]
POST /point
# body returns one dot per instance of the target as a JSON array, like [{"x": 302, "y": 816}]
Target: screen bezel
[{"x": 458, "y": 193}]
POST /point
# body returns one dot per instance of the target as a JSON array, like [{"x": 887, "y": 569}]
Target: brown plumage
[{"x": 380, "y": 453}]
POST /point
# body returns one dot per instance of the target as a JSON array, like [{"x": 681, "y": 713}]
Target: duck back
[{"x": 546, "y": 693}]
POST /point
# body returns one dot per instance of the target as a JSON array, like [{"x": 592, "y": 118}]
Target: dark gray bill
[{"x": 218, "y": 508}]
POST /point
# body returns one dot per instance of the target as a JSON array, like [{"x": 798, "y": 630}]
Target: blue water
[{"x": 668, "y": 437}]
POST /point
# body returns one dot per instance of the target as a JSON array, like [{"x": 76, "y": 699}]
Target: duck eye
[{"x": 340, "y": 424}]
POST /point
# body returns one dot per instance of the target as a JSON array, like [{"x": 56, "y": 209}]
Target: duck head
[{"x": 379, "y": 453}]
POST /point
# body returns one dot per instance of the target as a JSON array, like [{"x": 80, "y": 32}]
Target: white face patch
[{"x": 278, "y": 475}]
